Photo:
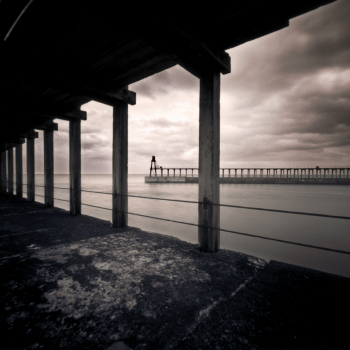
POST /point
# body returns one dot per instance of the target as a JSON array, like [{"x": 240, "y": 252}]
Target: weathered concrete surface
[
  {"x": 74, "y": 282},
  {"x": 251, "y": 180}
]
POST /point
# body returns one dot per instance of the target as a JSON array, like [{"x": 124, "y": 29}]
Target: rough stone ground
[{"x": 77, "y": 283}]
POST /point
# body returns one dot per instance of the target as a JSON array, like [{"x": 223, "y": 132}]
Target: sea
[{"x": 317, "y": 231}]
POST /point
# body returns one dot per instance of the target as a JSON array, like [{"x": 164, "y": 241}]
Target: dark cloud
[{"x": 288, "y": 96}]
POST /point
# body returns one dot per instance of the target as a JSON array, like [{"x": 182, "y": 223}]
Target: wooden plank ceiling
[{"x": 58, "y": 56}]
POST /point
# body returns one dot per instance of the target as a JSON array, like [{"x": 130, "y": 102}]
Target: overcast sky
[{"x": 285, "y": 104}]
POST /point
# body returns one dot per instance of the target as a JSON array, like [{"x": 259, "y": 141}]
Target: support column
[
  {"x": 209, "y": 162},
  {"x": 3, "y": 172},
  {"x": 120, "y": 164},
  {"x": 75, "y": 166},
  {"x": 48, "y": 167},
  {"x": 19, "y": 171},
  {"x": 30, "y": 170},
  {"x": 10, "y": 170}
]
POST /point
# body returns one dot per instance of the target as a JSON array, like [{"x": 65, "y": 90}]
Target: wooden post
[
  {"x": 19, "y": 171},
  {"x": 209, "y": 162},
  {"x": 3, "y": 172},
  {"x": 75, "y": 167},
  {"x": 120, "y": 164},
  {"x": 48, "y": 167},
  {"x": 30, "y": 170},
  {"x": 10, "y": 170}
]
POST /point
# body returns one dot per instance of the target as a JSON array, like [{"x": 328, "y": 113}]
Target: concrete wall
[{"x": 232, "y": 180}]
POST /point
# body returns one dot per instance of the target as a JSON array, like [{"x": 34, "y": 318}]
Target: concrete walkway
[{"x": 77, "y": 283}]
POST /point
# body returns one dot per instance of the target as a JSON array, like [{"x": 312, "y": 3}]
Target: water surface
[{"x": 325, "y": 232}]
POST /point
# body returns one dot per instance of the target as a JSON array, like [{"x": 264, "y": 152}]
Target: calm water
[{"x": 331, "y": 233}]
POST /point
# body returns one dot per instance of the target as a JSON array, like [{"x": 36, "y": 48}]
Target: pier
[
  {"x": 72, "y": 281},
  {"x": 76, "y": 282},
  {"x": 307, "y": 176}
]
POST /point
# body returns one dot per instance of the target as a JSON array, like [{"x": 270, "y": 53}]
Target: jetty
[
  {"x": 300, "y": 176},
  {"x": 74, "y": 282},
  {"x": 77, "y": 282}
]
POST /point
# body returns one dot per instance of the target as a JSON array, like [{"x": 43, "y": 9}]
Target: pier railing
[
  {"x": 207, "y": 204},
  {"x": 300, "y": 173}
]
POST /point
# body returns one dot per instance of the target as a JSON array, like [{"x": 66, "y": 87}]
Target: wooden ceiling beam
[
  {"x": 49, "y": 125},
  {"x": 97, "y": 92},
  {"x": 184, "y": 48},
  {"x": 70, "y": 115},
  {"x": 30, "y": 134}
]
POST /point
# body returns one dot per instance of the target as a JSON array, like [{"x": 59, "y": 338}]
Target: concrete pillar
[
  {"x": 248, "y": 175},
  {"x": 223, "y": 172},
  {"x": 19, "y": 171},
  {"x": 30, "y": 170},
  {"x": 235, "y": 172},
  {"x": 168, "y": 172},
  {"x": 229, "y": 172},
  {"x": 10, "y": 170},
  {"x": 75, "y": 166},
  {"x": 209, "y": 162},
  {"x": 241, "y": 172},
  {"x": 48, "y": 168},
  {"x": 120, "y": 165},
  {"x": 3, "y": 172}
]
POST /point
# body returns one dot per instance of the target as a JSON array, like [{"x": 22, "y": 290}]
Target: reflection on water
[{"x": 325, "y": 232}]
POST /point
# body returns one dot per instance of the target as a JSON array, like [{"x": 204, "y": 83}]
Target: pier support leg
[
  {"x": 75, "y": 167},
  {"x": 48, "y": 167},
  {"x": 209, "y": 162},
  {"x": 19, "y": 171},
  {"x": 120, "y": 165},
  {"x": 10, "y": 170},
  {"x": 30, "y": 170},
  {"x": 3, "y": 172}
]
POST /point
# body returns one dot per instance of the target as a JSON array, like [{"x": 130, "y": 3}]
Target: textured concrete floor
[{"x": 77, "y": 283}]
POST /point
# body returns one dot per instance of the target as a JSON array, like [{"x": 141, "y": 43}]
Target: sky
[{"x": 286, "y": 103}]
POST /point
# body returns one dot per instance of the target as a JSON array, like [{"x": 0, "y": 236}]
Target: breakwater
[
  {"x": 325, "y": 176},
  {"x": 232, "y": 180}
]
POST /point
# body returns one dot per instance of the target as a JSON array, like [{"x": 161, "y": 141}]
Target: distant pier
[{"x": 326, "y": 176}]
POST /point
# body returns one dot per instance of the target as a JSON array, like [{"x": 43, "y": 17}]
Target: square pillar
[
  {"x": 75, "y": 166},
  {"x": 10, "y": 170},
  {"x": 19, "y": 171},
  {"x": 209, "y": 162},
  {"x": 120, "y": 165},
  {"x": 48, "y": 168},
  {"x": 3, "y": 172},
  {"x": 30, "y": 170}
]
